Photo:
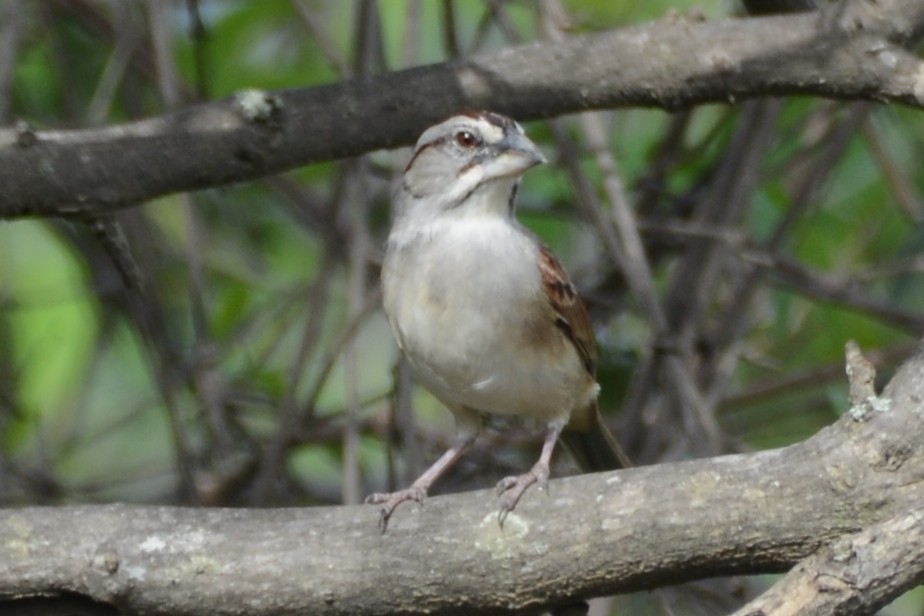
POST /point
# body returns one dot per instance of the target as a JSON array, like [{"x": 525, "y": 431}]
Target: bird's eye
[{"x": 466, "y": 139}]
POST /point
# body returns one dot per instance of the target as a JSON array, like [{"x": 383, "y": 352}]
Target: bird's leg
[
  {"x": 513, "y": 487},
  {"x": 418, "y": 490}
]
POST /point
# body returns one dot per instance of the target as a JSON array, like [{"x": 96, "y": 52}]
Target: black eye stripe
[
  {"x": 478, "y": 141},
  {"x": 424, "y": 148}
]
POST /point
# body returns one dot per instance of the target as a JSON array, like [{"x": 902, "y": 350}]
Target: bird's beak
[{"x": 515, "y": 154}]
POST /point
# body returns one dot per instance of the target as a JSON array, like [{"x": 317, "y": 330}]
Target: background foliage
[{"x": 236, "y": 355}]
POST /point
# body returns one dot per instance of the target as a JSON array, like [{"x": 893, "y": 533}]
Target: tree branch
[
  {"x": 853, "y": 50},
  {"x": 592, "y": 535},
  {"x": 856, "y": 574}
]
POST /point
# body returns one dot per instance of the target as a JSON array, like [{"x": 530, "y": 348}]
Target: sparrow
[{"x": 483, "y": 311}]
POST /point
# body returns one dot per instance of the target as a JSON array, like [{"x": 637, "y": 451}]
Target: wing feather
[{"x": 570, "y": 314}]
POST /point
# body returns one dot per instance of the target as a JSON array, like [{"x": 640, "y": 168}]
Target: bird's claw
[
  {"x": 391, "y": 500},
  {"x": 512, "y": 488}
]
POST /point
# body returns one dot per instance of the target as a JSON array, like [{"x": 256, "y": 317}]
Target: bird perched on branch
[{"x": 482, "y": 310}]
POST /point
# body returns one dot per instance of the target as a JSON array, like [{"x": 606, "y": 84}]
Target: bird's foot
[
  {"x": 390, "y": 502},
  {"x": 512, "y": 488}
]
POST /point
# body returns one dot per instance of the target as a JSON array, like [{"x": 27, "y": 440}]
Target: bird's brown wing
[
  {"x": 569, "y": 311},
  {"x": 586, "y": 436}
]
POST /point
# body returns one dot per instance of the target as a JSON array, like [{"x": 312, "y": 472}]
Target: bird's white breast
[{"x": 465, "y": 299}]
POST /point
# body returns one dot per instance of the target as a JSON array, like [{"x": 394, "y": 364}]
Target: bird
[{"x": 482, "y": 310}]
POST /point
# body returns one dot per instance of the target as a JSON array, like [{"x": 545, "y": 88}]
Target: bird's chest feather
[
  {"x": 468, "y": 308},
  {"x": 455, "y": 285}
]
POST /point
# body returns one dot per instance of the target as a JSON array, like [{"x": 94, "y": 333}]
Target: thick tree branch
[
  {"x": 592, "y": 535},
  {"x": 856, "y": 574},
  {"x": 860, "y": 572},
  {"x": 853, "y": 50}
]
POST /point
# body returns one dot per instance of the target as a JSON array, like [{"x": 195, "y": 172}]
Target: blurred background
[{"x": 227, "y": 347}]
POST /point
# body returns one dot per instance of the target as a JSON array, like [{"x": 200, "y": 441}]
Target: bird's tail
[{"x": 593, "y": 447}]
